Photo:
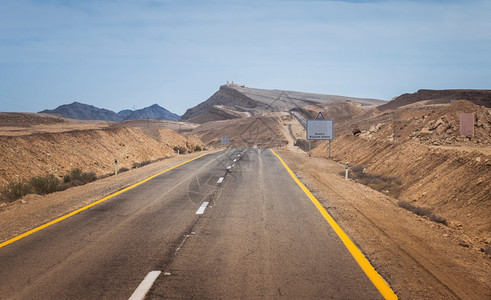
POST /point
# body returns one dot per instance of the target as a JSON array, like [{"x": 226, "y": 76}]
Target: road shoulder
[
  {"x": 419, "y": 258},
  {"x": 34, "y": 210}
]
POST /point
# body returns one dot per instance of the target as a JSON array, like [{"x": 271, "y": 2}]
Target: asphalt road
[{"x": 259, "y": 236}]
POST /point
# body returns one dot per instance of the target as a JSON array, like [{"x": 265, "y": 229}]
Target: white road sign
[
  {"x": 225, "y": 140},
  {"x": 319, "y": 129}
]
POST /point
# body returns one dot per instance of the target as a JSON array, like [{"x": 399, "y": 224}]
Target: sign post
[
  {"x": 225, "y": 140},
  {"x": 320, "y": 129}
]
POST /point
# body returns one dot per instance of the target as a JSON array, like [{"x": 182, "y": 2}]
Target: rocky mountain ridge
[{"x": 81, "y": 111}]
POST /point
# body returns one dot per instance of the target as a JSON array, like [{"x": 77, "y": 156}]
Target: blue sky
[{"x": 131, "y": 54}]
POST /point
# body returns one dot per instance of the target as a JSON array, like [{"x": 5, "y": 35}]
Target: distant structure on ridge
[{"x": 235, "y": 84}]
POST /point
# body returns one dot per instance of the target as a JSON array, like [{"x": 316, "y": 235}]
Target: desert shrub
[
  {"x": 45, "y": 184},
  {"x": 179, "y": 149},
  {"x": 141, "y": 164},
  {"x": 15, "y": 190},
  {"x": 123, "y": 169},
  {"x": 376, "y": 182},
  {"x": 89, "y": 177},
  {"x": 76, "y": 174},
  {"x": 421, "y": 211},
  {"x": 78, "y": 177},
  {"x": 67, "y": 178},
  {"x": 198, "y": 148}
]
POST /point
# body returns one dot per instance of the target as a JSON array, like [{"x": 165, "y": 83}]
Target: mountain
[
  {"x": 125, "y": 113},
  {"x": 154, "y": 112},
  {"x": 235, "y": 101},
  {"x": 82, "y": 111},
  {"x": 479, "y": 97}
]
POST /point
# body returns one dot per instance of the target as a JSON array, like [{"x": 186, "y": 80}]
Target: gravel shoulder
[
  {"x": 34, "y": 210},
  {"x": 419, "y": 258}
]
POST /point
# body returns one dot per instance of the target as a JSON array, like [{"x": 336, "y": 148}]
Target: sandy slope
[
  {"x": 91, "y": 150},
  {"x": 420, "y": 259},
  {"x": 436, "y": 167}
]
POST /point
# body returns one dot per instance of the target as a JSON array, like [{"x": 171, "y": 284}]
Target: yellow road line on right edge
[{"x": 362, "y": 261}]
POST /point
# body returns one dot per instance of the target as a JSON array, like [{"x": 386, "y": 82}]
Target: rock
[
  {"x": 425, "y": 131},
  {"x": 440, "y": 129},
  {"x": 437, "y": 124}
]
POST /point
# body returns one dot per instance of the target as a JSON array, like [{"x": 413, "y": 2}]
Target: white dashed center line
[
  {"x": 145, "y": 286},
  {"x": 201, "y": 209}
]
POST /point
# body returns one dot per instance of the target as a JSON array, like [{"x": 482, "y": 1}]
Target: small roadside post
[
  {"x": 320, "y": 129},
  {"x": 346, "y": 172},
  {"x": 115, "y": 166}
]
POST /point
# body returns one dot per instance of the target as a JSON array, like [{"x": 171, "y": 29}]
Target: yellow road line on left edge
[
  {"x": 94, "y": 203},
  {"x": 362, "y": 261}
]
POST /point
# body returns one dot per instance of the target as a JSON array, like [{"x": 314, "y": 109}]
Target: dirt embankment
[
  {"x": 263, "y": 131},
  {"x": 479, "y": 97},
  {"x": 92, "y": 150},
  {"x": 419, "y": 258},
  {"x": 451, "y": 180},
  {"x": 28, "y": 119}
]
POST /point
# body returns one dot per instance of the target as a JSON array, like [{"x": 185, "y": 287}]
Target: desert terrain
[
  {"x": 36, "y": 145},
  {"x": 417, "y": 203}
]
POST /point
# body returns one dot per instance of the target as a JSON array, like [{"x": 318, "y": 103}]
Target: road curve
[{"x": 232, "y": 224}]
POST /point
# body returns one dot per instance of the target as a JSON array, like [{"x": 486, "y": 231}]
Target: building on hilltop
[{"x": 235, "y": 84}]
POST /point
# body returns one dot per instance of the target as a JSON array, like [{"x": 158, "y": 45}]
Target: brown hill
[
  {"x": 231, "y": 102},
  {"x": 28, "y": 119},
  {"x": 479, "y": 97},
  {"x": 35, "y": 145},
  {"x": 262, "y": 131},
  {"x": 417, "y": 155}
]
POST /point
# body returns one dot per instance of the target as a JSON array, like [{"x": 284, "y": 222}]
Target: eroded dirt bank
[
  {"x": 429, "y": 164},
  {"x": 454, "y": 183},
  {"x": 419, "y": 258},
  {"x": 93, "y": 150}
]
